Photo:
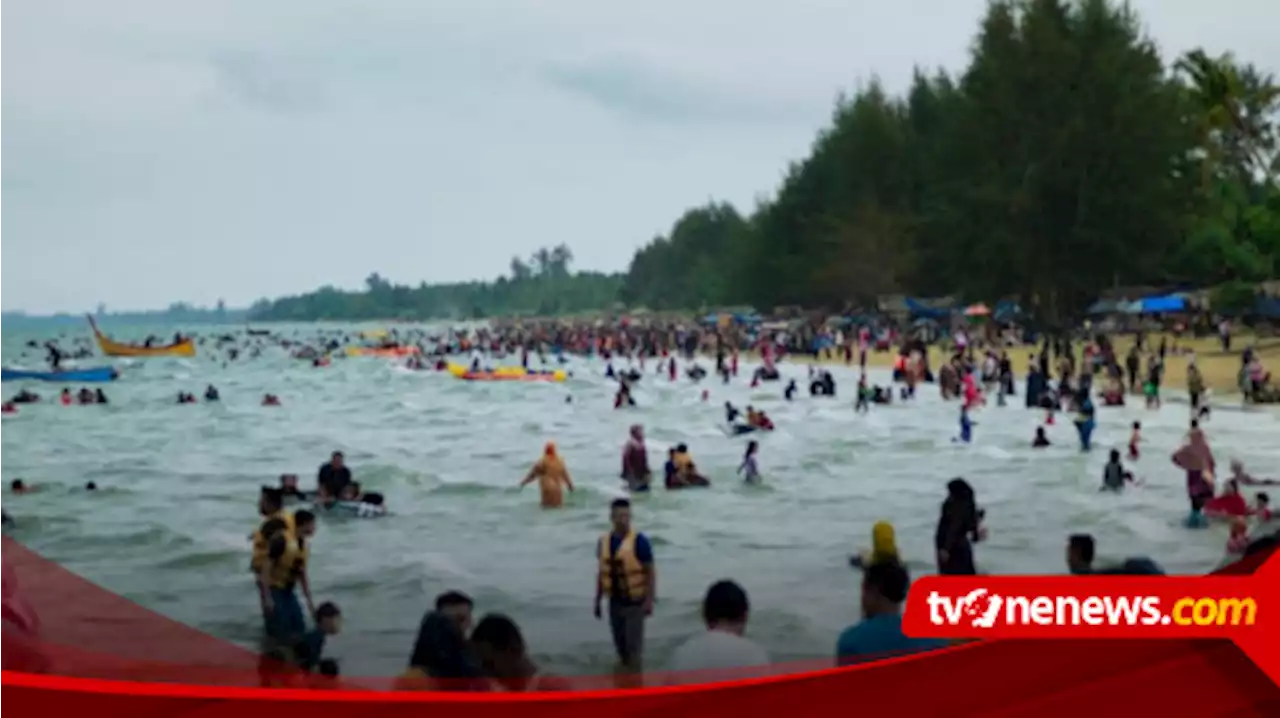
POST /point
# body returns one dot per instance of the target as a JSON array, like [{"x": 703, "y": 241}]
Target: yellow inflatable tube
[{"x": 509, "y": 373}]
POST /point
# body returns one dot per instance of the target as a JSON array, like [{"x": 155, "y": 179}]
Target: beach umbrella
[{"x": 977, "y": 310}]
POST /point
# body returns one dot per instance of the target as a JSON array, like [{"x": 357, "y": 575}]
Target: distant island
[
  {"x": 178, "y": 313},
  {"x": 543, "y": 285},
  {"x": 1067, "y": 159}
]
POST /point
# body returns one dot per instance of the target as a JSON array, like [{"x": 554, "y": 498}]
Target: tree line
[
  {"x": 542, "y": 285},
  {"x": 1067, "y": 158}
]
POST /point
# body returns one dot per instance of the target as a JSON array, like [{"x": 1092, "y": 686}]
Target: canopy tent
[
  {"x": 919, "y": 309},
  {"x": 1167, "y": 303},
  {"x": 1268, "y": 307}
]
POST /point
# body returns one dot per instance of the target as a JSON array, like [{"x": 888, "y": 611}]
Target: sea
[{"x": 169, "y": 524}]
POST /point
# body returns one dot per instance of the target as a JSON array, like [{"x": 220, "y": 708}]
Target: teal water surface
[{"x": 169, "y": 525}]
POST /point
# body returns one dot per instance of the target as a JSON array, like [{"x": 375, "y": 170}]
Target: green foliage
[{"x": 1066, "y": 159}]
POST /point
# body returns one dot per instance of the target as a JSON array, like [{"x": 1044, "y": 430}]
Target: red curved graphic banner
[{"x": 72, "y": 647}]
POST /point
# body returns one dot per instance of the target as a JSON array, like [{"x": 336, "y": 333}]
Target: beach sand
[{"x": 1219, "y": 369}]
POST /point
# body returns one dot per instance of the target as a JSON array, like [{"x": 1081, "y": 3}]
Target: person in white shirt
[{"x": 715, "y": 654}]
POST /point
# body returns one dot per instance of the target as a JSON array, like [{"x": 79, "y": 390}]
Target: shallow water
[{"x": 169, "y": 526}]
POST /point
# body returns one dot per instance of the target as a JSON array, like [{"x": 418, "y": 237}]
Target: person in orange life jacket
[
  {"x": 270, "y": 508},
  {"x": 285, "y": 568},
  {"x": 628, "y": 579},
  {"x": 504, "y": 659}
]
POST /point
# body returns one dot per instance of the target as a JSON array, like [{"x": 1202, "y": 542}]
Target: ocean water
[{"x": 178, "y": 487}]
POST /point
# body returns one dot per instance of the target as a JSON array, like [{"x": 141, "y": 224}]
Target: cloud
[
  {"x": 157, "y": 151},
  {"x": 636, "y": 91}
]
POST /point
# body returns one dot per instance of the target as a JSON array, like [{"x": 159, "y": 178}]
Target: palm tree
[
  {"x": 1234, "y": 106},
  {"x": 541, "y": 261},
  {"x": 561, "y": 258}
]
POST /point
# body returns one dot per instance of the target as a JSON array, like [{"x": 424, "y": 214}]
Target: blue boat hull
[{"x": 70, "y": 376}]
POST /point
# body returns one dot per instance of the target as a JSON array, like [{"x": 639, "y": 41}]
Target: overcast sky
[{"x": 161, "y": 150}]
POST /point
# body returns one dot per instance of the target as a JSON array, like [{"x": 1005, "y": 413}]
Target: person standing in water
[
  {"x": 628, "y": 579},
  {"x": 635, "y": 460},
  {"x": 552, "y": 477},
  {"x": 749, "y": 469},
  {"x": 285, "y": 568},
  {"x": 966, "y": 425},
  {"x": 1196, "y": 458},
  {"x": 959, "y": 527}
]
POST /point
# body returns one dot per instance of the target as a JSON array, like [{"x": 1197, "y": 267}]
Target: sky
[{"x": 158, "y": 151}]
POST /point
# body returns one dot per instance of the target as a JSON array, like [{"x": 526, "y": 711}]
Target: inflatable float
[
  {"x": 509, "y": 373},
  {"x": 353, "y": 509},
  {"x": 73, "y": 376}
]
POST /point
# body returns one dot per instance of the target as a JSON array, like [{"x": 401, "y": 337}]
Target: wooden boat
[{"x": 184, "y": 348}]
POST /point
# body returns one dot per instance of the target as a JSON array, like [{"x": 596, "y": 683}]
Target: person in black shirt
[{"x": 334, "y": 476}]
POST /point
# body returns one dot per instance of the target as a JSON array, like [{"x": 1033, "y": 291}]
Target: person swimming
[
  {"x": 185, "y": 398},
  {"x": 552, "y": 477},
  {"x": 100, "y": 397},
  {"x": 750, "y": 469},
  {"x": 790, "y": 391},
  {"x": 289, "y": 488},
  {"x": 270, "y": 400},
  {"x": 731, "y": 412},
  {"x": 1041, "y": 440},
  {"x": 211, "y": 393}
]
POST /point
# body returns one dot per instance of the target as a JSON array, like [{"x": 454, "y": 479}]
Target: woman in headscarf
[
  {"x": 959, "y": 527},
  {"x": 552, "y": 477},
  {"x": 884, "y": 548},
  {"x": 635, "y": 460},
  {"x": 1196, "y": 458}
]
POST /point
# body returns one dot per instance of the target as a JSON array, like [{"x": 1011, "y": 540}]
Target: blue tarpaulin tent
[
  {"x": 919, "y": 309},
  {"x": 1168, "y": 303}
]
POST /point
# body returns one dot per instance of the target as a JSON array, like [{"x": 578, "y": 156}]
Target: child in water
[
  {"x": 749, "y": 468},
  {"x": 1041, "y": 440},
  {"x": 1114, "y": 477},
  {"x": 1135, "y": 438}
]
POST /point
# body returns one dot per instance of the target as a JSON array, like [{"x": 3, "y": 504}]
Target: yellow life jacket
[
  {"x": 682, "y": 461},
  {"x": 286, "y": 569},
  {"x": 260, "y": 541},
  {"x": 622, "y": 565}
]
